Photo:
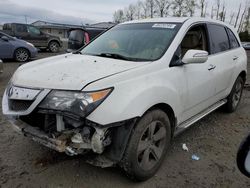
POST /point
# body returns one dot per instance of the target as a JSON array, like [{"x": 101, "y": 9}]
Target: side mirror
[
  {"x": 195, "y": 56},
  {"x": 243, "y": 157},
  {"x": 4, "y": 38}
]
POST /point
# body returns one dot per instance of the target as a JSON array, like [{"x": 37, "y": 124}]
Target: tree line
[{"x": 215, "y": 9}]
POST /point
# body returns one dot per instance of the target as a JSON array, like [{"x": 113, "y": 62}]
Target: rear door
[{"x": 223, "y": 57}]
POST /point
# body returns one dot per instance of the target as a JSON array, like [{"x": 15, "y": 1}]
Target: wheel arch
[
  {"x": 53, "y": 40},
  {"x": 243, "y": 75},
  {"x": 170, "y": 113}
]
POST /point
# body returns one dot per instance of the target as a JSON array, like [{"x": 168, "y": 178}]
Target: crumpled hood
[{"x": 69, "y": 72}]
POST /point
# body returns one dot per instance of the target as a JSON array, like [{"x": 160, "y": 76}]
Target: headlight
[
  {"x": 30, "y": 44},
  {"x": 77, "y": 103}
]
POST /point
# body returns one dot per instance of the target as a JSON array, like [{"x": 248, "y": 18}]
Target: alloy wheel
[{"x": 151, "y": 145}]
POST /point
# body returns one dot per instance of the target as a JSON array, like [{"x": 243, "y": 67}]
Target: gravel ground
[{"x": 215, "y": 139}]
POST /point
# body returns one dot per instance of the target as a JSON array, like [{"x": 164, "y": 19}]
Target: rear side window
[
  {"x": 21, "y": 28},
  {"x": 233, "y": 40},
  {"x": 218, "y": 38}
]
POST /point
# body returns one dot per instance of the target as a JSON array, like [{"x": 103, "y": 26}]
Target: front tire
[
  {"x": 147, "y": 146},
  {"x": 234, "y": 98},
  {"x": 21, "y": 55}
]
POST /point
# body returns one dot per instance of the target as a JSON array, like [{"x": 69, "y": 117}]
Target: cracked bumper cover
[{"x": 39, "y": 136}]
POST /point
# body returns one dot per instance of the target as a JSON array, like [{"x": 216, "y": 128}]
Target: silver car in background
[
  {"x": 13, "y": 48},
  {"x": 246, "y": 45}
]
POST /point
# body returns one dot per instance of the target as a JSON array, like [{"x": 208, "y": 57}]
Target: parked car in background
[
  {"x": 246, "y": 45},
  {"x": 78, "y": 37},
  {"x": 1, "y": 66},
  {"x": 33, "y": 35},
  {"x": 13, "y": 48},
  {"x": 124, "y": 96}
]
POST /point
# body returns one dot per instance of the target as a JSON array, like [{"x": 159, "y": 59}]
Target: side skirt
[{"x": 186, "y": 124}]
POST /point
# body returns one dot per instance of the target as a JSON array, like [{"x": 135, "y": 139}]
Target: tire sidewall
[
  {"x": 230, "y": 107},
  {"x": 132, "y": 166},
  {"x": 57, "y": 44}
]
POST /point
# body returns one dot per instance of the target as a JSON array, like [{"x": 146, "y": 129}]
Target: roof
[
  {"x": 166, "y": 19},
  {"x": 176, "y": 20},
  {"x": 181, "y": 20}
]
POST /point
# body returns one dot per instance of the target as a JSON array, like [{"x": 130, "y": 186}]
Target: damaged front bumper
[{"x": 59, "y": 144}]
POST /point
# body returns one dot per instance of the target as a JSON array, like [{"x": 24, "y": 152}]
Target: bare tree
[
  {"x": 231, "y": 18},
  {"x": 237, "y": 17},
  {"x": 222, "y": 13},
  {"x": 247, "y": 18},
  {"x": 130, "y": 12},
  {"x": 190, "y": 6},
  {"x": 151, "y": 6},
  {"x": 144, "y": 10},
  {"x": 138, "y": 10},
  {"x": 162, "y": 7},
  {"x": 241, "y": 19},
  {"x": 218, "y": 9},
  {"x": 201, "y": 5},
  {"x": 179, "y": 8},
  {"x": 205, "y": 12},
  {"x": 118, "y": 16}
]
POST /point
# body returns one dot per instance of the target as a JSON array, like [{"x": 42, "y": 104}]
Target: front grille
[{"x": 19, "y": 105}]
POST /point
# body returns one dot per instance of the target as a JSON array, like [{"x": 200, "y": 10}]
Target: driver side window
[{"x": 195, "y": 39}]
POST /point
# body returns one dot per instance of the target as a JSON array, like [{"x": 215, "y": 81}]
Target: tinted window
[
  {"x": 21, "y": 28},
  {"x": 219, "y": 39},
  {"x": 233, "y": 40}
]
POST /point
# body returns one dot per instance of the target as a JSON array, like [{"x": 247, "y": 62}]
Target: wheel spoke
[
  {"x": 152, "y": 129},
  {"x": 142, "y": 146},
  {"x": 160, "y": 134},
  {"x": 156, "y": 152},
  {"x": 145, "y": 159}
]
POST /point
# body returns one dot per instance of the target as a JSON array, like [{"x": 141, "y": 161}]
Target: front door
[
  {"x": 199, "y": 77},
  {"x": 36, "y": 37},
  {"x": 6, "y": 48}
]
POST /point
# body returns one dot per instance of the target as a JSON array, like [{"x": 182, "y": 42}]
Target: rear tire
[
  {"x": 21, "y": 55},
  {"x": 234, "y": 98},
  {"x": 147, "y": 146},
  {"x": 53, "y": 46}
]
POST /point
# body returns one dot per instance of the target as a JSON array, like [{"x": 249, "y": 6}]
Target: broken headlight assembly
[{"x": 76, "y": 103}]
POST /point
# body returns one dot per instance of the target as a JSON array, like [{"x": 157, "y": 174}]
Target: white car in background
[{"x": 125, "y": 95}]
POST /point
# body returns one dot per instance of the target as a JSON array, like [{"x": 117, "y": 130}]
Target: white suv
[{"x": 124, "y": 96}]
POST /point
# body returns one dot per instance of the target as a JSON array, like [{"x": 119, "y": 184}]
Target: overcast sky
[{"x": 65, "y": 11}]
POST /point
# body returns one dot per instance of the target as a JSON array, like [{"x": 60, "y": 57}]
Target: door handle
[
  {"x": 235, "y": 58},
  {"x": 211, "y": 67}
]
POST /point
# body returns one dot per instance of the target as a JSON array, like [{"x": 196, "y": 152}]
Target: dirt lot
[{"x": 215, "y": 139}]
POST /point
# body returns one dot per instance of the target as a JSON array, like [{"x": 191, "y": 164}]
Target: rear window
[
  {"x": 233, "y": 40},
  {"x": 219, "y": 38},
  {"x": 76, "y": 35}
]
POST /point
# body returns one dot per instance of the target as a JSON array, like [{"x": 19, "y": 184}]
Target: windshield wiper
[{"x": 115, "y": 56}]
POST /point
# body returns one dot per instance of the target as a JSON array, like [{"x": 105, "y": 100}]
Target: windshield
[{"x": 135, "y": 42}]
